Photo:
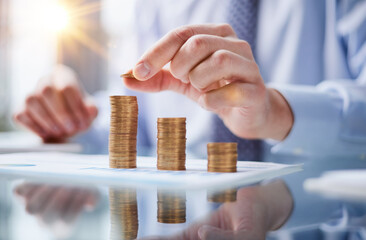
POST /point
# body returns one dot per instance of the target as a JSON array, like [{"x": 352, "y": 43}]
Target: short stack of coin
[
  {"x": 228, "y": 195},
  {"x": 171, "y": 144},
  {"x": 123, "y": 132},
  {"x": 171, "y": 207},
  {"x": 222, "y": 157},
  {"x": 124, "y": 215}
]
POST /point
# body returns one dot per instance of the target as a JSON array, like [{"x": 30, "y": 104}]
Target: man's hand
[
  {"x": 210, "y": 65},
  {"x": 57, "y": 206},
  {"x": 58, "y": 108},
  {"x": 257, "y": 210}
]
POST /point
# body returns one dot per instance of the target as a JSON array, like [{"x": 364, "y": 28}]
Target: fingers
[
  {"x": 24, "y": 119},
  {"x": 75, "y": 205},
  {"x": 236, "y": 94},
  {"x": 223, "y": 65},
  {"x": 162, "y": 81},
  {"x": 57, "y": 110},
  {"x": 26, "y": 191},
  {"x": 38, "y": 200},
  {"x": 55, "y": 105},
  {"x": 165, "y": 49},
  {"x": 38, "y": 112},
  {"x": 55, "y": 205},
  {"x": 213, "y": 233},
  {"x": 199, "y": 47},
  {"x": 75, "y": 104},
  {"x": 207, "y": 232},
  {"x": 91, "y": 109}
]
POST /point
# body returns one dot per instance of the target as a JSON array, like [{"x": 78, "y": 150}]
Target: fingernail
[
  {"x": 185, "y": 80},
  {"x": 141, "y": 71}
]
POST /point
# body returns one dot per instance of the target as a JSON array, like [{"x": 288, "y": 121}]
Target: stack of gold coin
[
  {"x": 124, "y": 215},
  {"x": 228, "y": 195},
  {"x": 222, "y": 157},
  {"x": 171, "y": 144},
  {"x": 171, "y": 207},
  {"x": 123, "y": 132}
]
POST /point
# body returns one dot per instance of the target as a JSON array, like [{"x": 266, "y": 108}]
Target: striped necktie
[{"x": 242, "y": 16}]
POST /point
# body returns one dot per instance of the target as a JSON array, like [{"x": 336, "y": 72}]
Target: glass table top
[{"x": 42, "y": 209}]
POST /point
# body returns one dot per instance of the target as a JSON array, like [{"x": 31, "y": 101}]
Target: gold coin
[{"x": 128, "y": 75}]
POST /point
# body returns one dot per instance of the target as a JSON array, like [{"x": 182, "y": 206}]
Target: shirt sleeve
[{"x": 330, "y": 118}]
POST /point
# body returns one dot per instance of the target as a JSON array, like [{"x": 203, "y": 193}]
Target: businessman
[{"x": 299, "y": 80}]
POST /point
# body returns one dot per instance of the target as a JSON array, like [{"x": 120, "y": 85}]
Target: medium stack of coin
[
  {"x": 124, "y": 215},
  {"x": 222, "y": 157},
  {"x": 171, "y": 144},
  {"x": 171, "y": 207},
  {"x": 123, "y": 132}
]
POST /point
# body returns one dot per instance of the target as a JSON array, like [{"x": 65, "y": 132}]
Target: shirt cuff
[{"x": 317, "y": 120}]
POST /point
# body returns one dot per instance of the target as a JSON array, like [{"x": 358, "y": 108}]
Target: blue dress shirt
[{"x": 313, "y": 52}]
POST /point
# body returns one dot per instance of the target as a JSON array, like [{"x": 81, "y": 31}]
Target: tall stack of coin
[
  {"x": 222, "y": 157},
  {"x": 171, "y": 144},
  {"x": 124, "y": 215},
  {"x": 123, "y": 132},
  {"x": 171, "y": 207}
]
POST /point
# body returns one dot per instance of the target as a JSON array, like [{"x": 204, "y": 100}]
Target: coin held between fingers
[{"x": 128, "y": 75}]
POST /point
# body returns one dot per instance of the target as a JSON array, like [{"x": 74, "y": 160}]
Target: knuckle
[
  {"x": 227, "y": 29},
  {"x": 183, "y": 33},
  {"x": 197, "y": 43},
  {"x": 46, "y": 91},
  {"x": 65, "y": 90},
  {"x": 31, "y": 99},
  {"x": 221, "y": 57},
  {"x": 196, "y": 82},
  {"x": 244, "y": 45},
  {"x": 18, "y": 117}
]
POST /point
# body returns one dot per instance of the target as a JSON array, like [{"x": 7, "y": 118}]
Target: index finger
[{"x": 164, "y": 50}]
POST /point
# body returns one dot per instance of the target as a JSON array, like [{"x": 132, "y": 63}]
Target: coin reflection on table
[
  {"x": 228, "y": 195},
  {"x": 171, "y": 207},
  {"x": 124, "y": 214}
]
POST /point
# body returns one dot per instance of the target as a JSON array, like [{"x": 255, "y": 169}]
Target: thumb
[
  {"x": 161, "y": 81},
  {"x": 213, "y": 233}
]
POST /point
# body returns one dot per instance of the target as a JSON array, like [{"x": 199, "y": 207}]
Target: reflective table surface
[{"x": 63, "y": 210}]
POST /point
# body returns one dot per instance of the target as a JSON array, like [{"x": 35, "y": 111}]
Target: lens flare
[{"x": 58, "y": 18}]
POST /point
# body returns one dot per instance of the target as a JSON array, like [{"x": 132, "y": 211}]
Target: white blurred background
[{"x": 84, "y": 34}]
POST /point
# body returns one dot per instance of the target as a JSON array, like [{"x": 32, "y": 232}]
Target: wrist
[{"x": 280, "y": 117}]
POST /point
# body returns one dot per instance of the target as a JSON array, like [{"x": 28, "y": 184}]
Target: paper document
[
  {"x": 344, "y": 184},
  {"x": 95, "y": 169}
]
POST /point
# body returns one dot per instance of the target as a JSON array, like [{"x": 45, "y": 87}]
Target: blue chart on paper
[{"x": 86, "y": 169}]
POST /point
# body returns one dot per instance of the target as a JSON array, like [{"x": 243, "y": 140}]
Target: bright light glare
[{"x": 56, "y": 18}]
